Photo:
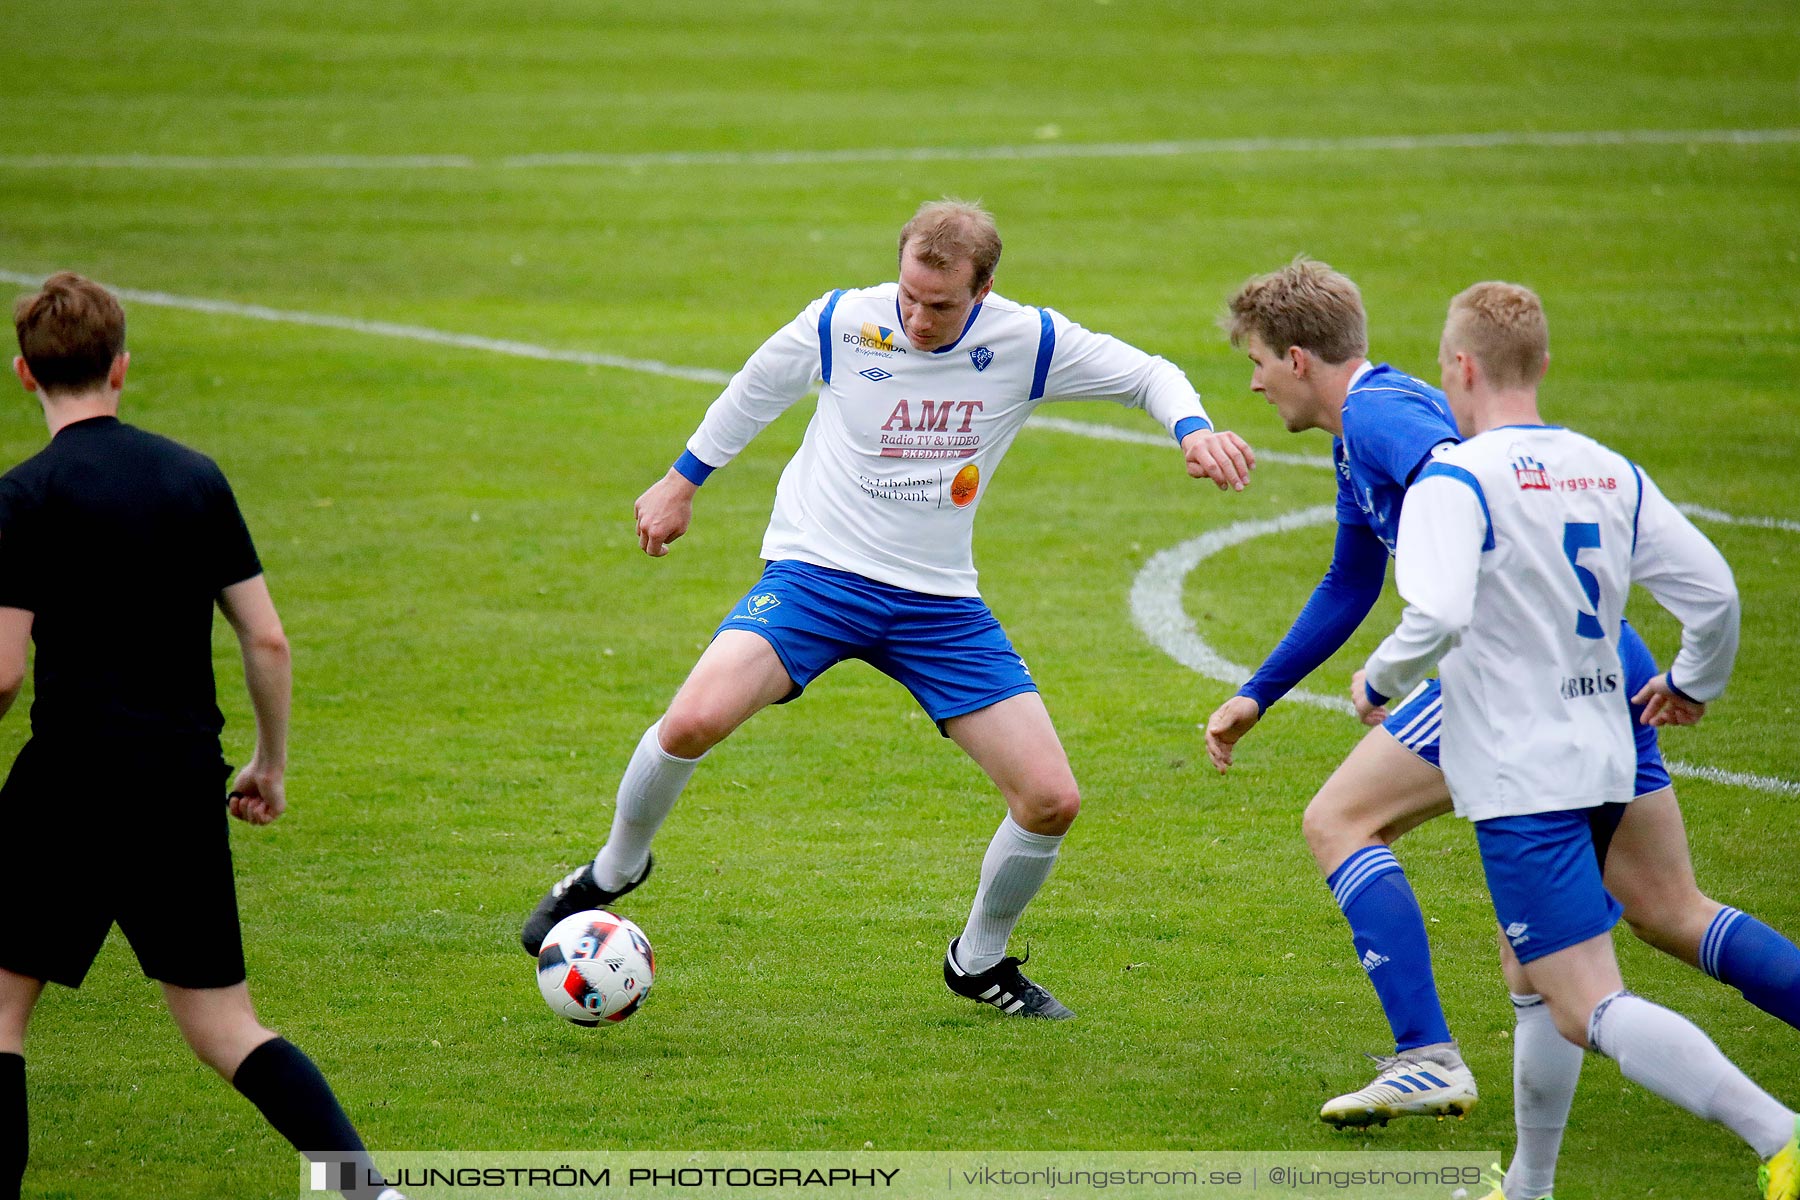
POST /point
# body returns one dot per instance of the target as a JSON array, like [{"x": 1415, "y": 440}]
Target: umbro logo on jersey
[
  {"x": 981, "y": 356},
  {"x": 876, "y": 374},
  {"x": 762, "y": 602},
  {"x": 1517, "y": 934},
  {"x": 1371, "y": 960}
]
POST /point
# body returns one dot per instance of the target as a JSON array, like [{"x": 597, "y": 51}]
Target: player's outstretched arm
[
  {"x": 1219, "y": 455},
  {"x": 1085, "y": 365},
  {"x": 781, "y": 371},
  {"x": 1332, "y": 613},
  {"x": 1689, "y": 577},
  {"x": 259, "y": 794},
  {"x": 664, "y": 512}
]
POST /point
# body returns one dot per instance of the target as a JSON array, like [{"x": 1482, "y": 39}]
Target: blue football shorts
[
  {"x": 1419, "y": 718},
  {"x": 1544, "y": 876},
  {"x": 948, "y": 651}
]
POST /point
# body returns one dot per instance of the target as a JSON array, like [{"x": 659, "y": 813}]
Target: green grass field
[{"x": 479, "y": 642}]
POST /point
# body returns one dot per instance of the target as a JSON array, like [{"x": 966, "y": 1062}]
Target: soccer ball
[{"x": 595, "y": 967}]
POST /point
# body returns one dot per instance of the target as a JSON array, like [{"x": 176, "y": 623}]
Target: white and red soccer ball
[{"x": 595, "y": 966}]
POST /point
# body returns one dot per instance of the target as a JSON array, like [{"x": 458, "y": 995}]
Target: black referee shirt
[{"x": 119, "y": 541}]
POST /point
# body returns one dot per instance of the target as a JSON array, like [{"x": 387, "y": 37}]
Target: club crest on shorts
[
  {"x": 762, "y": 602},
  {"x": 981, "y": 356}
]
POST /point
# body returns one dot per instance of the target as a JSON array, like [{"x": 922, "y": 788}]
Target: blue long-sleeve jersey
[{"x": 1392, "y": 424}]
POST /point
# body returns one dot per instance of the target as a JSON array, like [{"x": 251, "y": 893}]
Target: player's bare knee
[
  {"x": 1574, "y": 1031},
  {"x": 1652, "y": 904},
  {"x": 1571, "y": 1020},
  {"x": 690, "y": 729},
  {"x": 1670, "y": 919},
  {"x": 1328, "y": 835},
  {"x": 1048, "y": 810},
  {"x": 224, "y": 1045}
]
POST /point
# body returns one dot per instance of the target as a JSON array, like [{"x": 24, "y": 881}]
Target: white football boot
[{"x": 1430, "y": 1081}]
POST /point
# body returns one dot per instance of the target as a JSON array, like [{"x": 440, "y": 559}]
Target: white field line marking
[
  {"x": 1702, "y": 513},
  {"x": 1157, "y": 609},
  {"x": 1158, "y": 612},
  {"x": 646, "y": 366},
  {"x": 1035, "y": 151},
  {"x": 413, "y": 333},
  {"x": 1155, "y": 594},
  {"x": 1113, "y": 433}
]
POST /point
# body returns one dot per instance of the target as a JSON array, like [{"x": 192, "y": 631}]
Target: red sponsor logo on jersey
[{"x": 1531, "y": 474}]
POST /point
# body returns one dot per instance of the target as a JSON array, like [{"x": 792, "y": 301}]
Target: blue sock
[
  {"x": 1389, "y": 933},
  {"x": 1741, "y": 951}
]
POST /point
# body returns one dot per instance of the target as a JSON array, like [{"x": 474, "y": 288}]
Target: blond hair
[
  {"x": 1501, "y": 326},
  {"x": 945, "y": 233},
  {"x": 70, "y": 331},
  {"x": 1305, "y": 304}
]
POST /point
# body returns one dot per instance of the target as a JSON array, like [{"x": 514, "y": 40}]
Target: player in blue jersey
[{"x": 1305, "y": 332}]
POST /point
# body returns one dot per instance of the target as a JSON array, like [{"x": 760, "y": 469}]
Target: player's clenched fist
[
  {"x": 663, "y": 513},
  {"x": 1219, "y": 455}
]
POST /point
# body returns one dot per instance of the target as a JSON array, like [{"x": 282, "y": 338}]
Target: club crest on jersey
[
  {"x": 762, "y": 602},
  {"x": 876, "y": 374},
  {"x": 981, "y": 356},
  {"x": 877, "y": 339},
  {"x": 1531, "y": 474}
]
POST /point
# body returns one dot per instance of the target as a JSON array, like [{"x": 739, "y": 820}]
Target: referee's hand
[{"x": 258, "y": 796}]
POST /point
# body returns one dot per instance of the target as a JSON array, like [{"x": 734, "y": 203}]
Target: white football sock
[
  {"x": 653, "y": 780},
  {"x": 1668, "y": 1054},
  {"x": 1015, "y": 867},
  {"x": 1546, "y": 1066}
]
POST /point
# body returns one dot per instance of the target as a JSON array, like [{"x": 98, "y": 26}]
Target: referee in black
[{"x": 114, "y": 546}]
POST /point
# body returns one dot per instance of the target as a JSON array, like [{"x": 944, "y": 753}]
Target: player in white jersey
[
  {"x": 1516, "y": 550},
  {"x": 923, "y": 384},
  {"x": 1305, "y": 331}
]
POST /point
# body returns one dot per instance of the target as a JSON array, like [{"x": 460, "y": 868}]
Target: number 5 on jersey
[{"x": 1579, "y": 536}]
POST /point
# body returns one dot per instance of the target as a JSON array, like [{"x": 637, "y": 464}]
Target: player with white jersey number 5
[
  {"x": 923, "y": 384},
  {"x": 1516, "y": 551}
]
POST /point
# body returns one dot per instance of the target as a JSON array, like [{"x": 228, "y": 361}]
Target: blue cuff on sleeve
[
  {"x": 1669, "y": 678},
  {"x": 1189, "y": 425},
  {"x": 1375, "y": 697},
  {"x": 692, "y": 469}
]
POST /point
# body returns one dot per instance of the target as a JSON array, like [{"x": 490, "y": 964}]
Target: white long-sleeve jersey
[
  {"x": 905, "y": 442},
  {"x": 1515, "y": 554}
]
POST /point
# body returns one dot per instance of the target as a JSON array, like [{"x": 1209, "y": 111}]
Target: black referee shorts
[{"x": 93, "y": 834}]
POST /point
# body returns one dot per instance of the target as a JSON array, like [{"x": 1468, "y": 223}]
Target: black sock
[
  {"x": 15, "y": 1139},
  {"x": 281, "y": 1081}
]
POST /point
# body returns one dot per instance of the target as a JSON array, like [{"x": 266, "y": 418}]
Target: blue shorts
[
  {"x": 1418, "y": 720},
  {"x": 1543, "y": 873},
  {"x": 948, "y": 651}
]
